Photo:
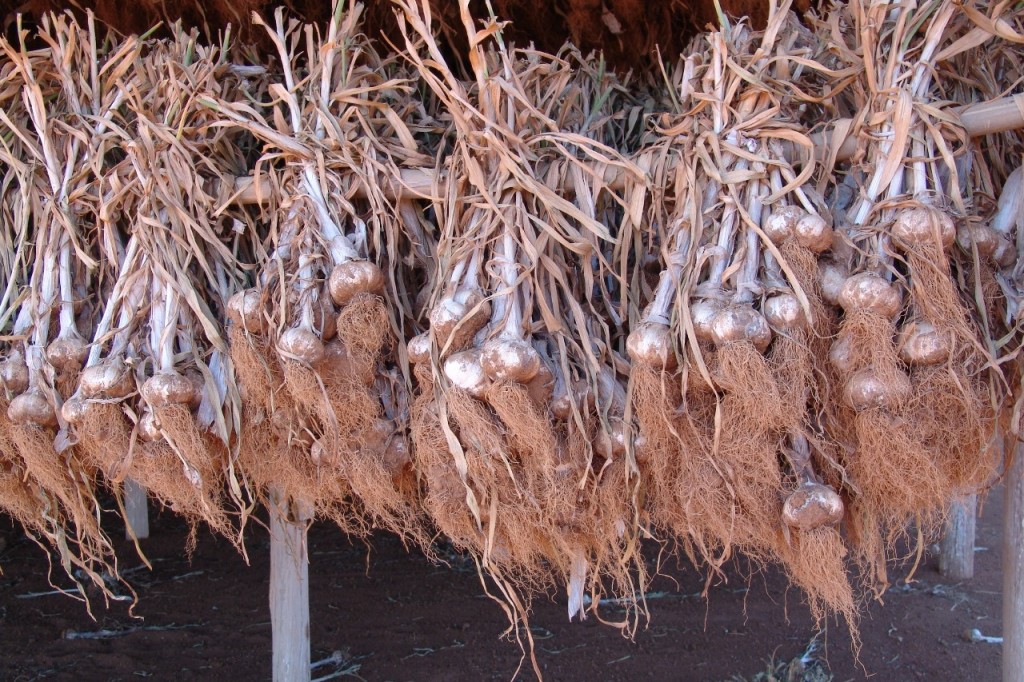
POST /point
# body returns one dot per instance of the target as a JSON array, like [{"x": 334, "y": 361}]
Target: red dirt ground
[{"x": 395, "y": 616}]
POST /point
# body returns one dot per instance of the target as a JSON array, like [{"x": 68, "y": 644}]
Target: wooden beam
[
  {"x": 414, "y": 183},
  {"x": 995, "y": 116},
  {"x": 136, "y": 510},
  {"x": 984, "y": 118},
  {"x": 289, "y": 589},
  {"x": 956, "y": 554},
  {"x": 1013, "y": 569}
]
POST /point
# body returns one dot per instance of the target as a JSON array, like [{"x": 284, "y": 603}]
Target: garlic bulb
[
  {"x": 247, "y": 310},
  {"x": 921, "y": 344},
  {"x": 867, "y": 389},
  {"x": 813, "y": 233},
  {"x": 784, "y": 313},
  {"x": 651, "y": 344},
  {"x": 355, "y": 277},
  {"x": 168, "y": 388},
  {"x": 780, "y": 224},
  {"x": 111, "y": 379},
  {"x": 301, "y": 345},
  {"x": 504, "y": 359},
  {"x": 869, "y": 292},
  {"x": 31, "y": 408},
  {"x": 463, "y": 369},
  {"x": 812, "y": 505},
  {"x": 741, "y": 323}
]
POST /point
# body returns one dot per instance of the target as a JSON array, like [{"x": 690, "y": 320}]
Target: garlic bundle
[
  {"x": 517, "y": 359},
  {"x": 906, "y": 359},
  {"x": 538, "y": 310}
]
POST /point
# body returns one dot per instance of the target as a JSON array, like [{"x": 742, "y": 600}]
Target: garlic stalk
[
  {"x": 739, "y": 321},
  {"x": 463, "y": 311},
  {"x": 510, "y": 356},
  {"x": 111, "y": 378},
  {"x": 651, "y": 341},
  {"x": 68, "y": 351},
  {"x": 301, "y": 343},
  {"x": 32, "y": 408},
  {"x": 167, "y": 387},
  {"x": 351, "y": 275}
]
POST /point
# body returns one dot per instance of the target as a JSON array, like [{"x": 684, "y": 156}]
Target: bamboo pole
[
  {"x": 984, "y": 118},
  {"x": 135, "y": 510},
  {"x": 956, "y": 553},
  {"x": 996, "y": 116},
  {"x": 1013, "y": 569},
  {"x": 289, "y": 589}
]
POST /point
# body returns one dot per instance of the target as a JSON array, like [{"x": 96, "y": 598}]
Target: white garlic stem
[
  {"x": 920, "y": 170},
  {"x": 129, "y": 307},
  {"x": 327, "y": 70},
  {"x": 41, "y": 301},
  {"x": 1010, "y": 207},
  {"x": 341, "y": 249},
  {"x": 306, "y": 286},
  {"x": 776, "y": 184},
  {"x": 919, "y": 85},
  {"x": 283, "y": 251},
  {"x": 114, "y": 302},
  {"x": 787, "y": 174},
  {"x": 44, "y": 301},
  {"x": 68, "y": 328},
  {"x": 414, "y": 228},
  {"x": 206, "y": 415},
  {"x": 747, "y": 286},
  {"x": 725, "y": 236},
  {"x": 718, "y": 50},
  {"x": 184, "y": 334},
  {"x": 873, "y": 188},
  {"x": 466, "y": 272},
  {"x": 279, "y": 39},
  {"x": 168, "y": 328},
  {"x": 773, "y": 275},
  {"x": 359, "y": 237},
  {"x": 513, "y": 326},
  {"x": 156, "y": 323},
  {"x": 471, "y": 277},
  {"x": 800, "y": 459},
  {"x": 923, "y": 70},
  {"x": 23, "y": 321},
  {"x": 668, "y": 280}
]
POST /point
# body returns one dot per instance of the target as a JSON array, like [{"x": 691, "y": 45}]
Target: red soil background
[
  {"x": 394, "y": 615},
  {"x": 627, "y": 31}
]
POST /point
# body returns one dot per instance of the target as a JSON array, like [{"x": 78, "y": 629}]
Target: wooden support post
[
  {"x": 1013, "y": 569},
  {"x": 289, "y": 589},
  {"x": 956, "y": 554},
  {"x": 136, "y": 510}
]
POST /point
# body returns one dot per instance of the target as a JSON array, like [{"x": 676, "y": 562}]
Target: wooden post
[
  {"x": 289, "y": 589},
  {"x": 135, "y": 510},
  {"x": 956, "y": 555},
  {"x": 1013, "y": 570}
]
